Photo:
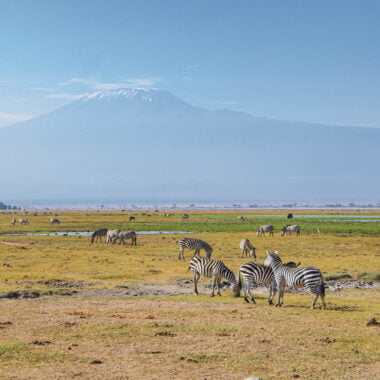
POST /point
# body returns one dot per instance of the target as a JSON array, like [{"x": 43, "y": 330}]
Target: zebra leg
[
  {"x": 281, "y": 290},
  {"x": 213, "y": 286},
  {"x": 196, "y": 276},
  {"x": 245, "y": 286},
  {"x": 218, "y": 284},
  {"x": 272, "y": 292},
  {"x": 249, "y": 292},
  {"x": 315, "y": 300},
  {"x": 180, "y": 254}
]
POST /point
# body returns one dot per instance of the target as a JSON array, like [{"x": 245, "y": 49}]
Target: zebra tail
[
  {"x": 238, "y": 277},
  {"x": 323, "y": 289}
]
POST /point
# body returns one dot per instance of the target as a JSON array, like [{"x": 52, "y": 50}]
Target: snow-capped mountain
[{"x": 149, "y": 144}]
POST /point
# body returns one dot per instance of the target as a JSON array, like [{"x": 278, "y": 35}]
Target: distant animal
[
  {"x": 308, "y": 277},
  {"x": 242, "y": 218},
  {"x": 204, "y": 266},
  {"x": 98, "y": 234},
  {"x": 23, "y": 221},
  {"x": 287, "y": 230},
  {"x": 259, "y": 274},
  {"x": 54, "y": 221},
  {"x": 132, "y": 218},
  {"x": 111, "y": 234},
  {"x": 318, "y": 231},
  {"x": 290, "y": 216},
  {"x": 195, "y": 244},
  {"x": 185, "y": 216},
  {"x": 246, "y": 247},
  {"x": 122, "y": 235},
  {"x": 263, "y": 229},
  {"x": 13, "y": 221}
]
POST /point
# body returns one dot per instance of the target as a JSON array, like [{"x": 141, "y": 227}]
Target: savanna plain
[{"x": 71, "y": 309}]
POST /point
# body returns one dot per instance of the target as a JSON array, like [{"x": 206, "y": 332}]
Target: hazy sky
[{"x": 316, "y": 61}]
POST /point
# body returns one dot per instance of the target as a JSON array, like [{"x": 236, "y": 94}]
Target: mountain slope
[{"x": 148, "y": 144}]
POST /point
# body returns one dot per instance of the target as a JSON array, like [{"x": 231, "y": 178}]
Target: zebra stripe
[
  {"x": 308, "y": 277},
  {"x": 195, "y": 244},
  {"x": 98, "y": 234},
  {"x": 261, "y": 275},
  {"x": 204, "y": 266}
]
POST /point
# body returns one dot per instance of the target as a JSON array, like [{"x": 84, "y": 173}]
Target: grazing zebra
[
  {"x": 195, "y": 244},
  {"x": 132, "y": 218},
  {"x": 23, "y": 221},
  {"x": 204, "y": 266},
  {"x": 309, "y": 277},
  {"x": 98, "y": 234},
  {"x": 125, "y": 235},
  {"x": 54, "y": 221},
  {"x": 260, "y": 274},
  {"x": 287, "y": 230},
  {"x": 111, "y": 234},
  {"x": 263, "y": 229},
  {"x": 246, "y": 246},
  {"x": 13, "y": 221}
]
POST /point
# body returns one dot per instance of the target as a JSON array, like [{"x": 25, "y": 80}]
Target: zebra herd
[
  {"x": 273, "y": 273},
  {"x": 286, "y": 230},
  {"x": 112, "y": 236}
]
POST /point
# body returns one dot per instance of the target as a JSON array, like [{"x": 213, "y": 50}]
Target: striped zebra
[
  {"x": 309, "y": 277},
  {"x": 195, "y": 244},
  {"x": 287, "y": 230},
  {"x": 246, "y": 247},
  {"x": 98, "y": 234},
  {"x": 263, "y": 229},
  {"x": 204, "y": 266},
  {"x": 23, "y": 221},
  {"x": 111, "y": 234},
  {"x": 125, "y": 235},
  {"x": 260, "y": 274},
  {"x": 54, "y": 221}
]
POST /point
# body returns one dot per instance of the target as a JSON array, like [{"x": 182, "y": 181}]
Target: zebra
[
  {"x": 185, "y": 216},
  {"x": 309, "y": 277},
  {"x": 263, "y": 229},
  {"x": 260, "y": 274},
  {"x": 204, "y": 266},
  {"x": 13, "y": 221},
  {"x": 54, "y": 221},
  {"x": 288, "y": 229},
  {"x": 125, "y": 235},
  {"x": 242, "y": 218},
  {"x": 98, "y": 234},
  {"x": 23, "y": 221},
  {"x": 246, "y": 246},
  {"x": 111, "y": 234},
  {"x": 195, "y": 244}
]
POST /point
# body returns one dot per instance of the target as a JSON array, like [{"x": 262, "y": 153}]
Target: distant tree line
[{"x": 3, "y": 206}]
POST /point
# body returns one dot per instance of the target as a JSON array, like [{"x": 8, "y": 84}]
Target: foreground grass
[{"x": 187, "y": 337}]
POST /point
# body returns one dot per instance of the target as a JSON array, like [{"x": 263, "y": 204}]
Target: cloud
[
  {"x": 99, "y": 86},
  {"x": 42, "y": 89},
  {"x": 220, "y": 102},
  {"x": 13, "y": 118},
  {"x": 66, "y": 96}
]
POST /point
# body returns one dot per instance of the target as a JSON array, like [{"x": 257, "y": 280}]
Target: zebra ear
[{"x": 276, "y": 252}]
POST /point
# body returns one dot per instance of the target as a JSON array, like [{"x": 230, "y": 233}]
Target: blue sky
[{"x": 316, "y": 61}]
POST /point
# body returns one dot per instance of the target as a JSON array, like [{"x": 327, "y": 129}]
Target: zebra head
[
  {"x": 273, "y": 259},
  {"x": 236, "y": 287}
]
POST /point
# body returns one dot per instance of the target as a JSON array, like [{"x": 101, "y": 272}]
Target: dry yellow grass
[{"x": 178, "y": 336}]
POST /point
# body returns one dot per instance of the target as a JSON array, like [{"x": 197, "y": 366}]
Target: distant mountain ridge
[{"x": 149, "y": 144}]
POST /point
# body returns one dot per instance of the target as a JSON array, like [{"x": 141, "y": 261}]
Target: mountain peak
[{"x": 140, "y": 94}]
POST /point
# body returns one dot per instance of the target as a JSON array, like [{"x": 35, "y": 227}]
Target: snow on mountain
[{"x": 150, "y": 144}]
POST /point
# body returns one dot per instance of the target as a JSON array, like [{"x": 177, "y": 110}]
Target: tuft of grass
[
  {"x": 338, "y": 276},
  {"x": 374, "y": 277}
]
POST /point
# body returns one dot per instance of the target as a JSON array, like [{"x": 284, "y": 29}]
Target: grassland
[{"x": 180, "y": 335}]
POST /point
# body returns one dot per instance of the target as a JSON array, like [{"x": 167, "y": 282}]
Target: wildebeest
[
  {"x": 290, "y": 216},
  {"x": 246, "y": 247},
  {"x": 54, "y": 221},
  {"x": 185, "y": 216},
  {"x": 111, "y": 234},
  {"x": 263, "y": 229},
  {"x": 287, "y": 230},
  {"x": 98, "y": 234},
  {"x": 122, "y": 235},
  {"x": 13, "y": 221},
  {"x": 23, "y": 221},
  {"x": 132, "y": 218}
]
